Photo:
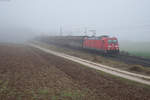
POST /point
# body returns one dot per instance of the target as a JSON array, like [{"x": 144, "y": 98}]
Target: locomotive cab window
[
  {"x": 110, "y": 41},
  {"x": 115, "y": 41}
]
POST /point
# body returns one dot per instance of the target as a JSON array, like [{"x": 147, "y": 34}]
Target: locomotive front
[{"x": 112, "y": 45}]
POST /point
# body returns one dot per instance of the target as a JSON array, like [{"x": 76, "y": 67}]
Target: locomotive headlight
[
  {"x": 116, "y": 46},
  {"x": 109, "y": 46}
]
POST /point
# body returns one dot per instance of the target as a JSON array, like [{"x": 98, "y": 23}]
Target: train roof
[
  {"x": 99, "y": 37},
  {"x": 82, "y": 37}
]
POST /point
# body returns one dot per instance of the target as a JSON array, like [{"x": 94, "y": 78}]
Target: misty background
[{"x": 23, "y": 19}]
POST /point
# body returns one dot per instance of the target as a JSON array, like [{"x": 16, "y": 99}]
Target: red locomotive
[{"x": 103, "y": 43}]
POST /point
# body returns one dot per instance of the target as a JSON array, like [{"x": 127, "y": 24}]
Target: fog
[{"x": 23, "y": 19}]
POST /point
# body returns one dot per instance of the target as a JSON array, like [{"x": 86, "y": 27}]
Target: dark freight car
[{"x": 73, "y": 41}]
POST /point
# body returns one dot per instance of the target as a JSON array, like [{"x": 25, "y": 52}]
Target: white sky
[{"x": 126, "y": 19}]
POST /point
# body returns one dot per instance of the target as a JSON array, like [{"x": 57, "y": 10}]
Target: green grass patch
[
  {"x": 67, "y": 94},
  {"x": 141, "y": 53}
]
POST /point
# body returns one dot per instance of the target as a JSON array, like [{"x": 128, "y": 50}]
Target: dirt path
[{"x": 114, "y": 71}]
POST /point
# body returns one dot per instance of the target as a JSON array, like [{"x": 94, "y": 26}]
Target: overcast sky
[{"x": 126, "y": 19}]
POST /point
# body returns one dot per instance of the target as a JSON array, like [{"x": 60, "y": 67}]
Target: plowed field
[{"x": 29, "y": 74}]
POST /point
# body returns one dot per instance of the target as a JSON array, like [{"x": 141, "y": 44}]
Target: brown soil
[{"x": 29, "y": 74}]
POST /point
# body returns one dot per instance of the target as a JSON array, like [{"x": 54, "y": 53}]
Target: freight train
[{"x": 103, "y": 43}]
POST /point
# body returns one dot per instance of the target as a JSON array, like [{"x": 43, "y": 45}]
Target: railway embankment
[
  {"x": 121, "y": 62},
  {"x": 107, "y": 69}
]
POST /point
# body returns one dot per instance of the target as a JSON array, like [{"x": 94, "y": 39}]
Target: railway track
[
  {"x": 121, "y": 57},
  {"x": 114, "y": 71},
  {"x": 71, "y": 42},
  {"x": 131, "y": 59}
]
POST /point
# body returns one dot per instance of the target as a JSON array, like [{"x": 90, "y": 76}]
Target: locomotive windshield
[{"x": 112, "y": 41}]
